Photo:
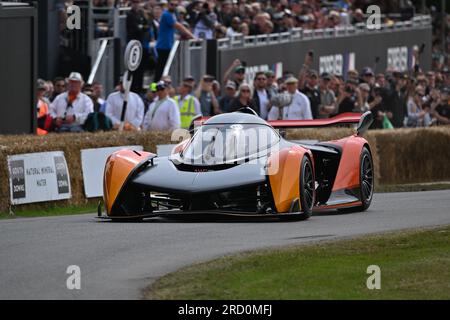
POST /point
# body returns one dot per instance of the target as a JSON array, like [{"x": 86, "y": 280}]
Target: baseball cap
[
  {"x": 75, "y": 76},
  {"x": 326, "y": 76},
  {"x": 41, "y": 84},
  {"x": 152, "y": 87},
  {"x": 189, "y": 78},
  {"x": 291, "y": 80},
  {"x": 160, "y": 85},
  {"x": 312, "y": 73},
  {"x": 270, "y": 73},
  {"x": 230, "y": 84},
  {"x": 367, "y": 71},
  {"x": 239, "y": 69}
]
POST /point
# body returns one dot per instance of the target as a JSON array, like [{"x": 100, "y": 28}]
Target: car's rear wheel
[
  {"x": 307, "y": 186},
  {"x": 366, "y": 179}
]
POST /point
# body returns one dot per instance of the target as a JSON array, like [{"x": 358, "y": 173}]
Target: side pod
[
  {"x": 283, "y": 169},
  {"x": 119, "y": 166}
]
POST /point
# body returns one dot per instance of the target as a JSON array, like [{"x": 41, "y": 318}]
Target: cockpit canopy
[{"x": 216, "y": 144}]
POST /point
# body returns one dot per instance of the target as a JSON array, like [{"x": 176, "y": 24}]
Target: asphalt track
[{"x": 118, "y": 259}]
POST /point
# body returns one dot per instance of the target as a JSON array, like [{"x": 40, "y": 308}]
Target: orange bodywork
[
  {"x": 347, "y": 176},
  {"x": 284, "y": 173},
  {"x": 118, "y": 167}
]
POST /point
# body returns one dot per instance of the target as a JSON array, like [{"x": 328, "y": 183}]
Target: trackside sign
[
  {"x": 93, "y": 165},
  {"x": 37, "y": 177}
]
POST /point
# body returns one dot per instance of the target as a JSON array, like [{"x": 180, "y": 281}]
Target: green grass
[
  {"x": 53, "y": 210},
  {"x": 414, "y": 265}
]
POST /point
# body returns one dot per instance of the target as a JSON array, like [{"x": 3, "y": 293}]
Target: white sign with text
[
  {"x": 93, "y": 165},
  {"x": 37, "y": 177}
]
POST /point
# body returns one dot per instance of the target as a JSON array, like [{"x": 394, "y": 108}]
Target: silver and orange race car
[{"x": 237, "y": 164}]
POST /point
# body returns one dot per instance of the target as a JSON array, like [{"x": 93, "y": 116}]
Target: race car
[{"x": 237, "y": 164}]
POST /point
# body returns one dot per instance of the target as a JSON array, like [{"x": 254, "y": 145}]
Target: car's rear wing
[{"x": 347, "y": 118}]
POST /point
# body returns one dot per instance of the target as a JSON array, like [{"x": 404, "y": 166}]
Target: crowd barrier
[{"x": 400, "y": 156}]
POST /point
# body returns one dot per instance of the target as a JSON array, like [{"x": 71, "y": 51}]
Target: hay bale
[{"x": 400, "y": 156}]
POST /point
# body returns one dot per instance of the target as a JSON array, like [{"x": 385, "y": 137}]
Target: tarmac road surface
[{"x": 117, "y": 260}]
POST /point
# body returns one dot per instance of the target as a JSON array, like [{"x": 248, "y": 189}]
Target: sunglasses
[{"x": 245, "y": 90}]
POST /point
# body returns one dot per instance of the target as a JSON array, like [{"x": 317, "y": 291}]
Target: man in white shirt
[
  {"x": 298, "y": 109},
  {"x": 70, "y": 109},
  {"x": 162, "y": 114},
  {"x": 134, "y": 114}
]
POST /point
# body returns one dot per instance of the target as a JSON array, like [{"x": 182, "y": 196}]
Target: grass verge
[
  {"x": 414, "y": 265},
  {"x": 53, "y": 210}
]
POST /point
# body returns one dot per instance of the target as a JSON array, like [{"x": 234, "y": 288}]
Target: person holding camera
[
  {"x": 205, "y": 94},
  {"x": 70, "y": 109},
  {"x": 205, "y": 23}
]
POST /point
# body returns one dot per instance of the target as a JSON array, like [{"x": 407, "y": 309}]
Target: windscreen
[{"x": 227, "y": 143}]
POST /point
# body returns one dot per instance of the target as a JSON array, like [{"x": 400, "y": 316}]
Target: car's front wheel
[{"x": 307, "y": 186}]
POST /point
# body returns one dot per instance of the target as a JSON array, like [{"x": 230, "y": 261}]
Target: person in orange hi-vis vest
[{"x": 42, "y": 107}]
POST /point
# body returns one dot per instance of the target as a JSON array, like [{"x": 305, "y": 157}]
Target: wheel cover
[
  {"x": 308, "y": 183},
  {"x": 366, "y": 178}
]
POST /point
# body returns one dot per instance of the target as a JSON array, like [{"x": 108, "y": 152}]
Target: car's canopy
[{"x": 222, "y": 143}]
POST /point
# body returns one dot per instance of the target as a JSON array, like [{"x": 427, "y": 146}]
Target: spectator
[
  {"x": 216, "y": 88},
  {"x": 397, "y": 99},
  {"x": 363, "y": 94},
  {"x": 70, "y": 109},
  {"x": 134, "y": 112},
  {"x": 205, "y": 94},
  {"x": 261, "y": 96},
  {"x": 167, "y": 26},
  {"x": 42, "y": 107},
  {"x": 59, "y": 85},
  {"x": 271, "y": 82},
  {"x": 243, "y": 99},
  {"x": 298, "y": 109},
  {"x": 348, "y": 102},
  {"x": 188, "y": 105},
  {"x": 234, "y": 28},
  {"x": 238, "y": 73},
  {"x": 244, "y": 29},
  {"x": 50, "y": 90},
  {"x": 97, "y": 93},
  {"x": 311, "y": 90},
  {"x": 327, "y": 105},
  {"x": 417, "y": 115},
  {"x": 441, "y": 105},
  {"x": 163, "y": 114},
  {"x": 168, "y": 81},
  {"x": 230, "y": 93},
  {"x": 150, "y": 96},
  {"x": 205, "y": 23}
]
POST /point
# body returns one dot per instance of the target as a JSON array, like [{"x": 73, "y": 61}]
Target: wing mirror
[
  {"x": 364, "y": 123},
  {"x": 192, "y": 125}
]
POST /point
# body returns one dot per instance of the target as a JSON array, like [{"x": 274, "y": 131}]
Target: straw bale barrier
[{"x": 400, "y": 156}]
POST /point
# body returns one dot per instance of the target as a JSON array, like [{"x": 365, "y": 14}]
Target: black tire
[
  {"x": 307, "y": 188},
  {"x": 366, "y": 182}
]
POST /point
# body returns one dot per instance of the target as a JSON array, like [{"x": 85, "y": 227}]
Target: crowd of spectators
[{"x": 396, "y": 99}]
